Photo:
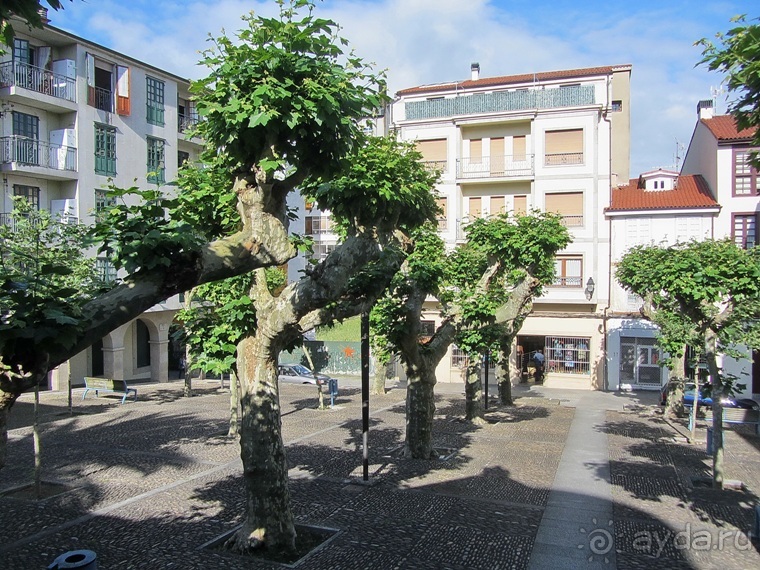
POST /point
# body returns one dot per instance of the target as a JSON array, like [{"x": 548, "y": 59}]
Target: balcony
[
  {"x": 100, "y": 98},
  {"x": 500, "y": 102},
  {"x": 186, "y": 122},
  {"x": 563, "y": 159},
  {"x": 572, "y": 221},
  {"x": 495, "y": 167},
  {"x": 60, "y": 91},
  {"x": 22, "y": 153}
]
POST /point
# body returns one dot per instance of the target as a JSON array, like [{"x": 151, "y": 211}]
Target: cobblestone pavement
[{"x": 152, "y": 481}]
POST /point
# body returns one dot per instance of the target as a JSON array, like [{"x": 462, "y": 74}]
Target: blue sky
[{"x": 431, "y": 41}]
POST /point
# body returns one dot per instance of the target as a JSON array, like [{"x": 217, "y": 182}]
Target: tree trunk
[
  {"x": 502, "y": 373},
  {"x": 234, "y": 404},
  {"x": 37, "y": 445},
  {"x": 711, "y": 346},
  {"x": 474, "y": 392},
  {"x": 420, "y": 409},
  {"x": 188, "y": 388},
  {"x": 268, "y": 519},
  {"x": 382, "y": 372},
  {"x": 7, "y": 399}
]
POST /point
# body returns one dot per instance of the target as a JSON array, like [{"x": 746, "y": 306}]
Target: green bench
[{"x": 108, "y": 385}]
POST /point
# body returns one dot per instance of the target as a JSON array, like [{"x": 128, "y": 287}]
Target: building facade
[
  {"x": 74, "y": 117},
  {"x": 554, "y": 141}
]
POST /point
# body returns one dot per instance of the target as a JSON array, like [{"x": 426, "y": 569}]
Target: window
[
  {"x": 569, "y": 355},
  {"x": 30, "y": 193},
  {"x": 322, "y": 250},
  {"x": 458, "y": 357},
  {"x": 26, "y": 146},
  {"x": 155, "y": 101},
  {"x": 427, "y": 328},
  {"x": 182, "y": 157},
  {"x": 496, "y": 157},
  {"x": 745, "y": 175},
  {"x": 105, "y": 150},
  {"x": 567, "y": 204},
  {"x": 105, "y": 269},
  {"x": 443, "y": 217},
  {"x": 434, "y": 153},
  {"x": 475, "y": 209},
  {"x": 317, "y": 225},
  {"x": 617, "y": 106},
  {"x": 563, "y": 147},
  {"x": 497, "y": 205},
  {"x": 476, "y": 151},
  {"x": 23, "y": 53},
  {"x": 521, "y": 205},
  {"x": 103, "y": 201},
  {"x": 519, "y": 147},
  {"x": 156, "y": 165},
  {"x": 568, "y": 271},
  {"x": 744, "y": 230},
  {"x": 99, "y": 77}
]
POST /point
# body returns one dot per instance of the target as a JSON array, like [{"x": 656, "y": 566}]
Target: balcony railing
[
  {"x": 495, "y": 166},
  {"x": 561, "y": 281},
  {"x": 34, "y": 152},
  {"x": 37, "y": 79},
  {"x": 572, "y": 221},
  {"x": 435, "y": 165},
  {"x": 100, "y": 98},
  {"x": 186, "y": 122},
  {"x": 563, "y": 158},
  {"x": 501, "y": 101}
]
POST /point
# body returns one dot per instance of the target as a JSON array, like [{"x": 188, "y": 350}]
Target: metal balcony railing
[
  {"x": 563, "y": 158},
  {"x": 435, "y": 165},
  {"x": 561, "y": 281},
  {"x": 500, "y": 101},
  {"x": 572, "y": 221},
  {"x": 37, "y": 79},
  {"x": 186, "y": 122},
  {"x": 100, "y": 98},
  {"x": 495, "y": 166},
  {"x": 34, "y": 152}
]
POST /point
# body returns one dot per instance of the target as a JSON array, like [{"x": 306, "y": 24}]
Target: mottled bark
[
  {"x": 268, "y": 518},
  {"x": 674, "y": 397},
  {"x": 503, "y": 380},
  {"x": 473, "y": 389},
  {"x": 234, "y": 404},
  {"x": 718, "y": 392},
  {"x": 188, "y": 373},
  {"x": 6, "y": 402},
  {"x": 382, "y": 372},
  {"x": 420, "y": 410}
]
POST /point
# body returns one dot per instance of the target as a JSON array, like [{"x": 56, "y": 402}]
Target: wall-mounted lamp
[{"x": 589, "y": 288}]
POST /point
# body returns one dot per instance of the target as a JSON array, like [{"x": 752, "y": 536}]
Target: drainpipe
[{"x": 606, "y": 373}]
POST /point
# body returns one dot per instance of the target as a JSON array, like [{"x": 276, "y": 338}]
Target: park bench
[
  {"x": 108, "y": 385},
  {"x": 737, "y": 416}
]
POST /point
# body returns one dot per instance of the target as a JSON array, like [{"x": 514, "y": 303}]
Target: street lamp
[{"x": 589, "y": 288}]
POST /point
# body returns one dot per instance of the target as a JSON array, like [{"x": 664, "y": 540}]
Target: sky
[{"x": 432, "y": 41}]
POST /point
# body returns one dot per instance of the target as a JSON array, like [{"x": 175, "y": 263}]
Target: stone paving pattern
[{"x": 152, "y": 481}]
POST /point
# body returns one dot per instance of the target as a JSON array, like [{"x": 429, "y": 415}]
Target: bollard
[
  {"x": 332, "y": 385},
  {"x": 709, "y": 441},
  {"x": 81, "y": 559}
]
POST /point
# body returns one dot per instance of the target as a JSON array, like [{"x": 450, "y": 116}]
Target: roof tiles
[
  {"x": 723, "y": 128},
  {"x": 691, "y": 191}
]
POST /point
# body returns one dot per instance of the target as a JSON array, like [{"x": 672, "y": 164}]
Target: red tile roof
[
  {"x": 511, "y": 79},
  {"x": 691, "y": 191},
  {"x": 723, "y": 128}
]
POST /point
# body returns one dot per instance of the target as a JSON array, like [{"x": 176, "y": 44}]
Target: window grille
[{"x": 568, "y": 355}]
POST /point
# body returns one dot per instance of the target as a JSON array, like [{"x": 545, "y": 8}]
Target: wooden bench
[
  {"x": 737, "y": 416},
  {"x": 108, "y": 385}
]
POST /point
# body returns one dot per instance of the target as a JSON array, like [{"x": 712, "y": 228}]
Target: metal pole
[
  {"x": 485, "y": 360},
  {"x": 365, "y": 393}
]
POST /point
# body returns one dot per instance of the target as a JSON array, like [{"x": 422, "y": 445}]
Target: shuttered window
[
  {"x": 518, "y": 147},
  {"x": 569, "y": 205},
  {"x": 476, "y": 208},
  {"x": 497, "y": 205},
  {"x": 521, "y": 205},
  {"x": 564, "y": 147},
  {"x": 476, "y": 151},
  {"x": 434, "y": 153},
  {"x": 497, "y": 157}
]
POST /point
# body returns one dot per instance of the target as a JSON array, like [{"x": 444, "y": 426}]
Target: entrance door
[{"x": 639, "y": 362}]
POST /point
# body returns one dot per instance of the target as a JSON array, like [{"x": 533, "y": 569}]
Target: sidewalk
[{"x": 563, "y": 479}]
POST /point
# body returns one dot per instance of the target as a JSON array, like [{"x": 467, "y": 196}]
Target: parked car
[
  {"x": 299, "y": 374},
  {"x": 706, "y": 401}
]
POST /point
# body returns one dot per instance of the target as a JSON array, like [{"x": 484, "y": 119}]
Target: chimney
[
  {"x": 705, "y": 109},
  {"x": 43, "y": 12},
  {"x": 475, "y": 71}
]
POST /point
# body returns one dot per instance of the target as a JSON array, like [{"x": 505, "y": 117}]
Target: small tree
[{"x": 710, "y": 289}]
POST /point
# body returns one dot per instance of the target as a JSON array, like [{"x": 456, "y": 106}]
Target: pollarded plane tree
[
  {"x": 485, "y": 289},
  {"x": 706, "y": 293}
]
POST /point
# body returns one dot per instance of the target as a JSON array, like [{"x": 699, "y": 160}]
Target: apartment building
[
  {"x": 719, "y": 151},
  {"x": 660, "y": 207},
  {"x": 75, "y": 115},
  {"x": 556, "y": 141}
]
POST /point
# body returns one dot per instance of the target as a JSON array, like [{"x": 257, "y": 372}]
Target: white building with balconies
[
  {"x": 75, "y": 116},
  {"x": 554, "y": 141}
]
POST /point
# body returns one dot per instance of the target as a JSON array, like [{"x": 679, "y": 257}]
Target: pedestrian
[{"x": 538, "y": 362}]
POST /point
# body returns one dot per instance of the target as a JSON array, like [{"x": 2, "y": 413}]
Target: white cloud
[{"x": 433, "y": 41}]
